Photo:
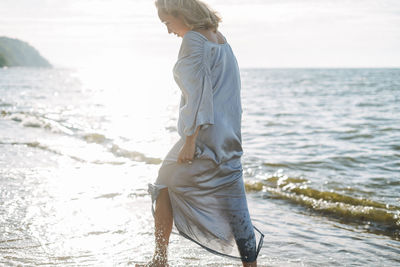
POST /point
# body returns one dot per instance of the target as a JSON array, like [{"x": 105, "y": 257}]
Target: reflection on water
[{"x": 321, "y": 166}]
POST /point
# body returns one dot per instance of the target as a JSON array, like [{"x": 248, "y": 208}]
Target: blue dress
[{"x": 208, "y": 197}]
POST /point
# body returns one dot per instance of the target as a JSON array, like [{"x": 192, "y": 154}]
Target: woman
[{"x": 200, "y": 185}]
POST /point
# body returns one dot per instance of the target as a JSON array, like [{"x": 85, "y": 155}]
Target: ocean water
[{"x": 321, "y": 166}]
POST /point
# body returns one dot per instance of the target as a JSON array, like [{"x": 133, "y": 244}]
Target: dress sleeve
[{"x": 193, "y": 77}]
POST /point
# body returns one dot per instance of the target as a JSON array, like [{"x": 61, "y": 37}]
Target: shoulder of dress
[
  {"x": 195, "y": 37},
  {"x": 193, "y": 43}
]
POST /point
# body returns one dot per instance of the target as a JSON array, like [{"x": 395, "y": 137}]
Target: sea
[{"x": 321, "y": 162}]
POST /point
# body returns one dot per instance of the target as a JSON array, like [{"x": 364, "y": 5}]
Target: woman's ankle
[{"x": 160, "y": 258}]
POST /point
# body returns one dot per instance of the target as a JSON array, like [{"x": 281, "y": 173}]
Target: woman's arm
[
  {"x": 192, "y": 138},
  {"x": 187, "y": 151}
]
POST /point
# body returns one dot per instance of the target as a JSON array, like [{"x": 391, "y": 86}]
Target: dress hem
[
  {"x": 154, "y": 190},
  {"x": 259, "y": 246}
]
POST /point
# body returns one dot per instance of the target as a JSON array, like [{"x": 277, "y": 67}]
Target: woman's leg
[
  {"x": 248, "y": 251},
  {"x": 245, "y": 238},
  {"x": 250, "y": 264},
  {"x": 163, "y": 227}
]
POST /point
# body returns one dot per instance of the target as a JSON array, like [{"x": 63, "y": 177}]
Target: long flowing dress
[{"x": 208, "y": 197}]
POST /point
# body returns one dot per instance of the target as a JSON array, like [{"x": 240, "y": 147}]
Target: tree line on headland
[{"x": 17, "y": 53}]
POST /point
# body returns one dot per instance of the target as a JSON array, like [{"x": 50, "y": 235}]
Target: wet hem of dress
[
  {"x": 154, "y": 190},
  {"x": 226, "y": 255}
]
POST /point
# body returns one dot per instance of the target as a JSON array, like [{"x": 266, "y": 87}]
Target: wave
[
  {"x": 133, "y": 155},
  {"x": 329, "y": 162},
  {"x": 32, "y": 120},
  {"x": 378, "y": 216},
  {"x": 94, "y": 138},
  {"x": 44, "y": 147},
  {"x": 119, "y": 151},
  {"x": 356, "y": 136},
  {"x": 395, "y": 147},
  {"x": 115, "y": 150},
  {"x": 304, "y": 165},
  {"x": 36, "y": 121},
  {"x": 4, "y": 104}
]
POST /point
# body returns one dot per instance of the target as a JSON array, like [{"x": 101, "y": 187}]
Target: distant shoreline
[{"x": 17, "y": 53}]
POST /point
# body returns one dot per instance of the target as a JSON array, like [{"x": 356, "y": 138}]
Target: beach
[{"x": 321, "y": 165}]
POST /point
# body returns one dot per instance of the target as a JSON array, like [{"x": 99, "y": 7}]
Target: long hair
[{"x": 194, "y": 13}]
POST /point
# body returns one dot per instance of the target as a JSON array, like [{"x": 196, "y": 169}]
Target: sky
[{"x": 262, "y": 33}]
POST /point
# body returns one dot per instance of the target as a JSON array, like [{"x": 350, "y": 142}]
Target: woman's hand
[{"x": 186, "y": 154}]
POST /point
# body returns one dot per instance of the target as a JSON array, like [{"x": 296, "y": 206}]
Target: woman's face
[{"x": 174, "y": 24}]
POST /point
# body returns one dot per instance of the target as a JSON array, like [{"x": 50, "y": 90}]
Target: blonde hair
[{"x": 194, "y": 13}]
